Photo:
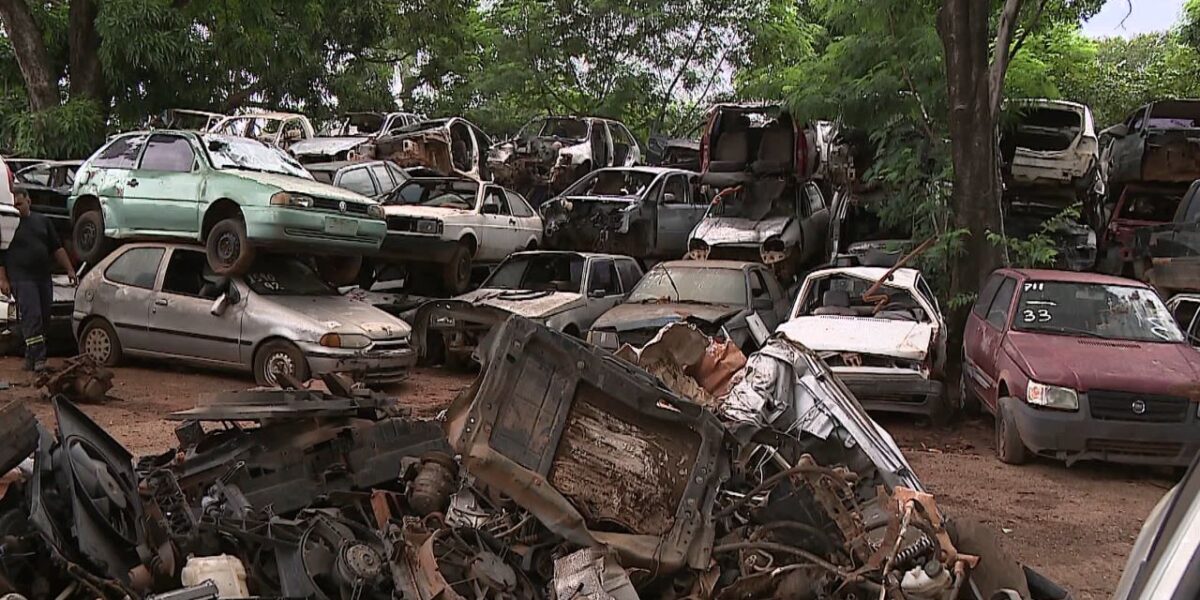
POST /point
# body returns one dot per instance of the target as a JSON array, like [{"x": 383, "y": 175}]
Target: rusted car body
[
  {"x": 644, "y": 212},
  {"x": 452, "y": 146},
  {"x": 1159, "y": 142},
  {"x": 741, "y": 142},
  {"x": 1080, "y": 366},
  {"x": 1168, "y": 255},
  {"x": 1139, "y": 206},
  {"x": 556, "y": 151},
  {"x": 1054, "y": 144},
  {"x": 350, "y": 137}
]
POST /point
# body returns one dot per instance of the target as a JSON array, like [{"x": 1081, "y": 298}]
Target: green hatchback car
[{"x": 235, "y": 195}]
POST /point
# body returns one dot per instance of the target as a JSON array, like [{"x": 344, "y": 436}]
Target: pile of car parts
[
  {"x": 563, "y": 472},
  {"x": 80, "y": 378}
]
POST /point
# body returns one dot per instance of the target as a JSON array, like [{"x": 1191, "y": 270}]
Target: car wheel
[
  {"x": 278, "y": 357},
  {"x": 967, "y": 400},
  {"x": 1009, "y": 447},
  {"x": 98, "y": 340},
  {"x": 456, "y": 275},
  {"x": 941, "y": 410},
  {"x": 339, "y": 270},
  {"x": 229, "y": 251},
  {"x": 88, "y": 237}
]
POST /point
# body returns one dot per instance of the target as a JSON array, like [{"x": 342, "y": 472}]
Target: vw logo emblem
[
  {"x": 342, "y": 206},
  {"x": 1138, "y": 407}
]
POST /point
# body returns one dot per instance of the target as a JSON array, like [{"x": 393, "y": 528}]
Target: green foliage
[
  {"x": 1039, "y": 249},
  {"x": 72, "y": 130}
]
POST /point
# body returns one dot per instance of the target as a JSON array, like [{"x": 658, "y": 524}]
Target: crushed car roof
[{"x": 906, "y": 278}]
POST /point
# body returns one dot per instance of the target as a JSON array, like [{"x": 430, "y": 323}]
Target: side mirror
[
  {"x": 219, "y": 305},
  {"x": 231, "y": 292},
  {"x": 491, "y": 209},
  {"x": 669, "y": 198}
]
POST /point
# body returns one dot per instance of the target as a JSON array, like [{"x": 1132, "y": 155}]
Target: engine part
[{"x": 430, "y": 490}]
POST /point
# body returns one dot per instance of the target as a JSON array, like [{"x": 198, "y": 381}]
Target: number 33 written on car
[{"x": 1040, "y": 315}]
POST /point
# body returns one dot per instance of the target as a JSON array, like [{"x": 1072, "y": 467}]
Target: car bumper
[
  {"x": 305, "y": 230},
  {"x": 1076, "y": 435},
  {"x": 417, "y": 248},
  {"x": 370, "y": 366},
  {"x": 892, "y": 390}
]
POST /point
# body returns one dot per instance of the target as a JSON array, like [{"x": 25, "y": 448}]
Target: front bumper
[
  {"x": 1076, "y": 435},
  {"x": 301, "y": 230},
  {"x": 892, "y": 390},
  {"x": 416, "y": 248},
  {"x": 372, "y": 367}
]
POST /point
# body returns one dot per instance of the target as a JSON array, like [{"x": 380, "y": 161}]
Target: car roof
[
  {"x": 50, "y": 163},
  {"x": 339, "y": 165},
  {"x": 571, "y": 252},
  {"x": 652, "y": 170},
  {"x": 903, "y": 277},
  {"x": 1048, "y": 103},
  {"x": 1072, "y": 277},
  {"x": 708, "y": 264},
  {"x": 265, "y": 115}
]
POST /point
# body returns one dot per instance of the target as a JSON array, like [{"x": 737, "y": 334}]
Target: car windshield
[
  {"x": 763, "y": 203},
  {"x": 621, "y": 182},
  {"x": 355, "y": 125},
  {"x": 254, "y": 127},
  {"x": 1150, "y": 206},
  {"x": 249, "y": 155},
  {"x": 438, "y": 193},
  {"x": 286, "y": 277},
  {"x": 700, "y": 285},
  {"x": 565, "y": 128},
  {"x": 1114, "y": 312},
  {"x": 554, "y": 272}
]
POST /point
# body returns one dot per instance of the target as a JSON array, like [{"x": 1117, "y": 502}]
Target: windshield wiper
[{"x": 1072, "y": 330}]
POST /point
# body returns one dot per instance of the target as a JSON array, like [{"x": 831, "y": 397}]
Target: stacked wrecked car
[{"x": 676, "y": 469}]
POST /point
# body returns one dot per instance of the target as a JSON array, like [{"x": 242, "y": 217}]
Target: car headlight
[
  {"x": 375, "y": 211},
  {"x": 1051, "y": 396},
  {"x": 429, "y": 226},
  {"x": 697, "y": 249},
  {"x": 345, "y": 340},
  {"x": 603, "y": 339},
  {"x": 290, "y": 199}
]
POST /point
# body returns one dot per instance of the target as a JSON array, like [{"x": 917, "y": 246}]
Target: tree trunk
[
  {"x": 87, "y": 77},
  {"x": 41, "y": 82}
]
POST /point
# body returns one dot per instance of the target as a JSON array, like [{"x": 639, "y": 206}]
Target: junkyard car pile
[{"x": 563, "y": 472}]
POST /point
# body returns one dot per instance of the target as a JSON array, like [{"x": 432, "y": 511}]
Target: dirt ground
[{"x": 1075, "y": 525}]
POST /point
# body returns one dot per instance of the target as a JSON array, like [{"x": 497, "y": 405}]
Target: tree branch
[
  {"x": 41, "y": 82},
  {"x": 1000, "y": 54},
  {"x": 1037, "y": 16}
]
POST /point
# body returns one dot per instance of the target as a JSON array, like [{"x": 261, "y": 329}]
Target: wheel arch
[{"x": 218, "y": 210}]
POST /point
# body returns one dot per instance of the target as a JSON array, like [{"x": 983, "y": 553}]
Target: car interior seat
[
  {"x": 732, "y": 149},
  {"x": 836, "y": 303},
  {"x": 774, "y": 151}
]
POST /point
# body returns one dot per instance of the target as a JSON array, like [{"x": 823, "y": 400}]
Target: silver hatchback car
[{"x": 159, "y": 300}]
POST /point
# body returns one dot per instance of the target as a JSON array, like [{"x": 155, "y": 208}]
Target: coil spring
[{"x": 906, "y": 557}]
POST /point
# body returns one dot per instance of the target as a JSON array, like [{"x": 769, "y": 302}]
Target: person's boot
[{"x": 40, "y": 367}]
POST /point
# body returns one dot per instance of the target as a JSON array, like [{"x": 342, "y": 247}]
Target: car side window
[
  {"x": 518, "y": 206},
  {"x": 676, "y": 190},
  {"x": 383, "y": 176},
  {"x": 604, "y": 278},
  {"x": 774, "y": 287},
  {"x": 398, "y": 175},
  {"x": 358, "y": 180},
  {"x": 758, "y": 285},
  {"x": 986, "y": 295},
  {"x": 121, "y": 153},
  {"x": 630, "y": 273},
  {"x": 816, "y": 201},
  {"x": 137, "y": 267},
  {"x": 495, "y": 197},
  {"x": 168, "y": 153},
  {"x": 35, "y": 176},
  {"x": 185, "y": 275},
  {"x": 1185, "y": 316},
  {"x": 998, "y": 312}
]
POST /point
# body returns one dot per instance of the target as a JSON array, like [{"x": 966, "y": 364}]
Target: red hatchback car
[{"x": 1081, "y": 366}]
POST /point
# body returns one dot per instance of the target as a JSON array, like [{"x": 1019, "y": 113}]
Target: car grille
[
  {"x": 405, "y": 224},
  {"x": 1135, "y": 448},
  {"x": 735, "y": 253},
  {"x": 357, "y": 208},
  {"x": 392, "y": 344},
  {"x": 1144, "y": 408}
]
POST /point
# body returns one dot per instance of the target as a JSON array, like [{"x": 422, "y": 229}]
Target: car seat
[
  {"x": 732, "y": 149},
  {"x": 835, "y": 303},
  {"x": 774, "y": 151}
]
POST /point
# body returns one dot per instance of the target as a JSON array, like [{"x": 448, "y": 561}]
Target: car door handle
[
  {"x": 161, "y": 302},
  {"x": 133, "y": 183}
]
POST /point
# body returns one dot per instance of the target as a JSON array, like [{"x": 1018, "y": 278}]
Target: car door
[
  {"x": 125, "y": 293},
  {"x": 816, "y": 221},
  {"x": 163, "y": 194},
  {"x": 1185, "y": 309},
  {"x": 762, "y": 302},
  {"x": 498, "y": 227},
  {"x": 779, "y": 296},
  {"x": 602, "y": 286},
  {"x": 990, "y": 337},
  {"x": 181, "y": 322},
  {"x": 678, "y": 213},
  {"x": 527, "y": 222},
  {"x": 106, "y": 174},
  {"x": 43, "y": 184},
  {"x": 1125, "y": 152}
]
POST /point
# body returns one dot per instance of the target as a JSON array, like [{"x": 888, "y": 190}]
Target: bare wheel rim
[
  {"x": 229, "y": 247},
  {"x": 87, "y": 236},
  {"x": 97, "y": 344},
  {"x": 277, "y": 364}
]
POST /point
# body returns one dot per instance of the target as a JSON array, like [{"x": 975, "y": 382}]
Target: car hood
[
  {"x": 626, "y": 317},
  {"x": 298, "y": 185},
  {"x": 326, "y": 146},
  {"x": 343, "y": 315},
  {"x": 431, "y": 212},
  {"x": 1091, "y": 363},
  {"x": 728, "y": 230},
  {"x": 882, "y": 337},
  {"x": 531, "y": 304}
]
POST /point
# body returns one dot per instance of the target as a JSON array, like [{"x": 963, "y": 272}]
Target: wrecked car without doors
[
  {"x": 183, "y": 118},
  {"x": 160, "y": 301},
  {"x": 777, "y": 222},
  {"x": 565, "y": 291},
  {"x": 349, "y": 137},
  {"x": 1168, "y": 255},
  {"x": 453, "y": 146},
  {"x": 1053, "y": 144},
  {"x": 49, "y": 187},
  {"x": 557, "y": 151},
  {"x": 881, "y": 331},
  {"x": 718, "y": 296},
  {"x": 644, "y": 212},
  {"x": 274, "y": 129},
  {"x": 1157, "y": 143},
  {"x": 1030, "y": 212},
  {"x": 454, "y": 224},
  {"x": 1139, "y": 208},
  {"x": 1079, "y": 366}
]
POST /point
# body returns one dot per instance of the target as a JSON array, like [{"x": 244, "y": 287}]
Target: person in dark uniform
[{"x": 25, "y": 269}]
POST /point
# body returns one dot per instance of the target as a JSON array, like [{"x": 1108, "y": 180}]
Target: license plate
[{"x": 340, "y": 226}]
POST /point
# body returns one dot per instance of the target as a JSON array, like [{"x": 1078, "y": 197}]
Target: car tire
[
  {"x": 99, "y": 340},
  {"x": 1009, "y": 447},
  {"x": 228, "y": 249},
  {"x": 18, "y": 429},
  {"x": 339, "y": 270},
  {"x": 456, "y": 274},
  {"x": 279, "y": 356},
  {"x": 967, "y": 400},
  {"x": 87, "y": 236},
  {"x": 941, "y": 410}
]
